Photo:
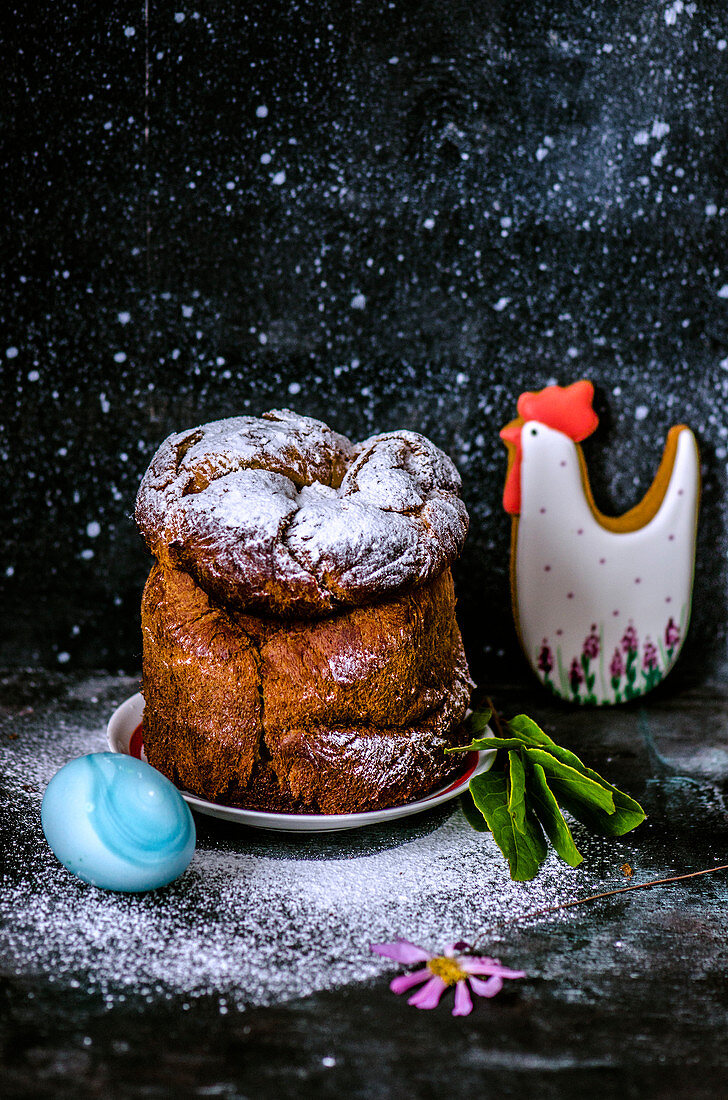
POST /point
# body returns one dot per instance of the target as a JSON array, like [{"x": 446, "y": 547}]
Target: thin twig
[
  {"x": 605, "y": 894},
  {"x": 494, "y": 715}
]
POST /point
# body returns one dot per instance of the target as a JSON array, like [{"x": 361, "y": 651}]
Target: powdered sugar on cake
[{"x": 284, "y": 497}]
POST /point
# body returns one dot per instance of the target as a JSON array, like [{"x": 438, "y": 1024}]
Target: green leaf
[
  {"x": 568, "y": 783},
  {"x": 473, "y": 816},
  {"x": 628, "y": 813},
  {"x": 478, "y": 721},
  {"x": 533, "y": 735},
  {"x": 527, "y": 789},
  {"x": 517, "y": 791},
  {"x": 489, "y": 743},
  {"x": 516, "y": 831},
  {"x": 547, "y": 810},
  {"x": 476, "y": 725}
]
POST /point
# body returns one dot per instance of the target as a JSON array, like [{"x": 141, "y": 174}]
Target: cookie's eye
[{"x": 534, "y": 431}]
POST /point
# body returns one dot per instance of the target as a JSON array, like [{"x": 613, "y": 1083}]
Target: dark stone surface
[
  {"x": 513, "y": 192},
  {"x": 626, "y": 997}
]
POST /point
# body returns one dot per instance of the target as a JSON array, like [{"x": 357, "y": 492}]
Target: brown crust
[
  {"x": 338, "y": 715},
  {"x": 279, "y": 515}
]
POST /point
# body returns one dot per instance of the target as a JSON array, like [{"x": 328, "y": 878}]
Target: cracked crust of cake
[{"x": 283, "y": 516}]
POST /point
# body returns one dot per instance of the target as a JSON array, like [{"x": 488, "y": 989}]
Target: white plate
[{"x": 125, "y": 736}]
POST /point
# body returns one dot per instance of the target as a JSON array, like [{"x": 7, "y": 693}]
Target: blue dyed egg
[{"x": 117, "y": 823}]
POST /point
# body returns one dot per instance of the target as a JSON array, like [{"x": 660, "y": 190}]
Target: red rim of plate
[
  {"x": 136, "y": 742},
  {"x": 136, "y": 746}
]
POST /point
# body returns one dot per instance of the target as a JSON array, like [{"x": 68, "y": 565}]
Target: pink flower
[
  {"x": 616, "y": 667},
  {"x": 442, "y": 971},
  {"x": 629, "y": 640},
  {"x": 576, "y": 676},
  {"x": 545, "y": 659},
  {"x": 590, "y": 648},
  {"x": 649, "y": 656},
  {"x": 672, "y": 634}
]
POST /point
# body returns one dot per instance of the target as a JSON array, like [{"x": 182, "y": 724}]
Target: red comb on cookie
[{"x": 568, "y": 409}]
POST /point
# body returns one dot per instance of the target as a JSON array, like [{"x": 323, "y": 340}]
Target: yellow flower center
[{"x": 447, "y": 969}]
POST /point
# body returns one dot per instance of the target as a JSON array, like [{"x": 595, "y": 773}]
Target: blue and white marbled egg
[{"x": 117, "y": 823}]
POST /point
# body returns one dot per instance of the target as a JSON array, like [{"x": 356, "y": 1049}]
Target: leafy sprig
[{"x": 520, "y": 800}]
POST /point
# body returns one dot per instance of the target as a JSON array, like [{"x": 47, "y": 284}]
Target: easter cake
[{"x": 301, "y": 652}]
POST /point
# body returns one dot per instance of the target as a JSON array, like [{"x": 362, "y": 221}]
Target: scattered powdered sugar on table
[{"x": 257, "y": 918}]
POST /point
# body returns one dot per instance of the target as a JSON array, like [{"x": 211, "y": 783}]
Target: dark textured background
[{"x": 445, "y": 204}]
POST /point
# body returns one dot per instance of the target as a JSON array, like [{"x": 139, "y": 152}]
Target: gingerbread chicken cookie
[{"x": 601, "y": 603}]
